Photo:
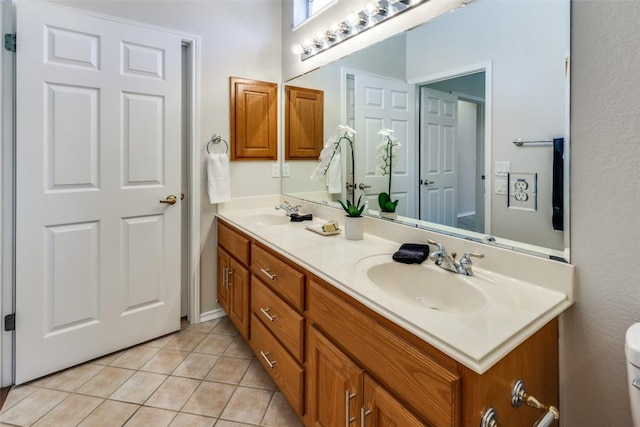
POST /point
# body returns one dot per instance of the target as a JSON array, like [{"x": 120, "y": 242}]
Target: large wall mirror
[{"x": 458, "y": 92}]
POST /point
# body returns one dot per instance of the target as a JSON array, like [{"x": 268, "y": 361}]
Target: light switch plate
[
  {"x": 501, "y": 186},
  {"x": 503, "y": 168},
  {"x": 285, "y": 170},
  {"x": 523, "y": 189},
  {"x": 275, "y": 170}
]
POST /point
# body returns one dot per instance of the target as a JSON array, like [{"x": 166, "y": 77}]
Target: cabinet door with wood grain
[
  {"x": 382, "y": 409},
  {"x": 238, "y": 283},
  {"x": 334, "y": 393}
]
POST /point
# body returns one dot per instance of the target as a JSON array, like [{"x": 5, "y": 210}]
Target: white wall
[
  {"x": 605, "y": 201},
  {"x": 239, "y": 38}
]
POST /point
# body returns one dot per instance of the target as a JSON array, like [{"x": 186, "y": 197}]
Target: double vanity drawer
[
  {"x": 235, "y": 243},
  {"x": 283, "y": 279},
  {"x": 283, "y": 369},
  {"x": 280, "y": 319}
]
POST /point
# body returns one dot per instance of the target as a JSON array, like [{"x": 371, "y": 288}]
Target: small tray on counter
[{"x": 317, "y": 228}]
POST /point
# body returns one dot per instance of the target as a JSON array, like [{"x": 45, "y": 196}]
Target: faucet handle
[{"x": 466, "y": 258}]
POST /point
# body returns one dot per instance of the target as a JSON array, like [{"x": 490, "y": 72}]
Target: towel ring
[{"x": 216, "y": 139}]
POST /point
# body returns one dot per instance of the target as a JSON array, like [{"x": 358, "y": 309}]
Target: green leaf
[{"x": 386, "y": 204}]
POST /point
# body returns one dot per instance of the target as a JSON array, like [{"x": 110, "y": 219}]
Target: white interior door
[
  {"x": 98, "y": 146},
  {"x": 386, "y": 103},
  {"x": 438, "y": 163}
]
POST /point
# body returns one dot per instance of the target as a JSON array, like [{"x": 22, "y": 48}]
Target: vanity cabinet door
[
  {"x": 334, "y": 384},
  {"x": 381, "y": 409},
  {"x": 238, "y": 283},
  {"x": 233, "y": 291},
  {"x": 222, "y": 288}
]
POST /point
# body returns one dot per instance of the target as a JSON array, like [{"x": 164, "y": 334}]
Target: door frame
[
  {"x": 7, "y": 178},
  {"x": 485, "y": 67}
]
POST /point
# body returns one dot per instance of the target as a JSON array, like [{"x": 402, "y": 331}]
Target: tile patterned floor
[{"x": 202, "y": 376}]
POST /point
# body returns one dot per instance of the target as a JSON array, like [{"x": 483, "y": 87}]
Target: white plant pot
[
  {"x": 353, "y": 227},
  {"x": 388, "y": 215}
]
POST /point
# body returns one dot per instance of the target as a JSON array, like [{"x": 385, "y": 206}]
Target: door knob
[
  {"x": 170, "y": 200},
  {"x": 362, "y": 186},
  {"x": 426, "y": 182}
]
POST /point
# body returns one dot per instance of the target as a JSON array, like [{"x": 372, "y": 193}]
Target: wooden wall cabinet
[
  {"x": 304, "y": 123},
  {"x": 254, "y": 119}
]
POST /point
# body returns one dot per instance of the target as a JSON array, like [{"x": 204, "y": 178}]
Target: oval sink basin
[
  {"x": 424, "y": 285},
  {"x": 268, "y": 219}
]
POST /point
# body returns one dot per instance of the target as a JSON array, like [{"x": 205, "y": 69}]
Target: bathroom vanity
[{"x": 343, "y": 356}]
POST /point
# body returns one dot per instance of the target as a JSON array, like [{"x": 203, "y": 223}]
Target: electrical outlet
[
  {"x": 503, "y": 168},
  {"x": 285, "y": 170},
  {"x": 522, "y": 191},
  {"x": 275, "y": 170}
]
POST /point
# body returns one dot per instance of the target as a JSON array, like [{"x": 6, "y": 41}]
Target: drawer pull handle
[
  {"x": 266, "y": 359},
  {"x": 265, "y": 311},
  {"x": 348, "y": 419},
  {"x": 269, "y": 275},
  {"x": 225, "y": 277},
  {"x": 364, "y": 412},
  {"x": 229, "y": 273}
]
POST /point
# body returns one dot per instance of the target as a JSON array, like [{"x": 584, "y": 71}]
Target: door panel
[
  {"x": 385, "y": 103},
  {"x": 438, "y": 170},
  {"x": 97, "y": 257}
]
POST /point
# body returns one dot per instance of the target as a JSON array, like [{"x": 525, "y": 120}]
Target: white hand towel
[
  {"x": 334, "y": 175},
  {"x": 218, "y": 178}
]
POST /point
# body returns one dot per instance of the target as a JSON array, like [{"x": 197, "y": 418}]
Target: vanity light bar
[{"x": 355, "y": 23}]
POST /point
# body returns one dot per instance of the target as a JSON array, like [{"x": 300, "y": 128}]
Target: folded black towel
[
  {"x": 300, "y": 218},
  {"x": 411, "y": 253}
]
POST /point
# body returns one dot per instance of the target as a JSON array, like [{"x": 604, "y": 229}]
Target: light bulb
[
  {"x": 351, "y": 19},
  {"x": 297, "y": 49}
]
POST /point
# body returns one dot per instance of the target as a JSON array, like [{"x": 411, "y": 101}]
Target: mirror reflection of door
[
  {"x": 452, "y": 152},
  {"x": 379, "y": 103}
]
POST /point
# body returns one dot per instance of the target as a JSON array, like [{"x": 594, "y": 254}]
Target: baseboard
[{"x": 211, "y": 315}]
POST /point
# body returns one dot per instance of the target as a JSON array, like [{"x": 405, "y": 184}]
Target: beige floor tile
[
  {"x": 72, "y": 379},
  {"x": 214, "y": 344},
  {"x": 105, "y": 382},
  {"x": 41, "y": 382},
  {"x": 185, "y": 340},
  {"x": 191, "y": 420},
  {"x": 279, "y": 413},
  {"x": 196, "y": 365},
  {"x": 247, "y": 405},
  {"x": 257, "y": 377},
  {"x": 239, "y": 348},
  {"x": 108, "y": 359},
  {"x": 204, "y": 327},
  {"x": 135, "y": 357},
  {"x": 226, "y": 423},
  {"x": 139, "y": 387},
  {"x": 159, "y": 342},
  {"x": 209, "y": 399},
  {"x": 147, "y": 417},
  {"x": 32, "y": 407},
  {"x": 110, "y": 413},
  {"x": 173, "y": 393},
  {"x": 184, "y": 323},
  {"x": 165, "y": 361},
  {"x": 225, "y": 327},
  {"x": 16, "y": 394},
  {"x": 228, "y": 370},
  {"x": 70, "y": 411}
]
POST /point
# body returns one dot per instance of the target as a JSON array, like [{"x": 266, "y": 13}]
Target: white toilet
[{"x": 632, "y": 350}]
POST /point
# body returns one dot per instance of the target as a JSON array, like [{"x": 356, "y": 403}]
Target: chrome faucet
[
  {"x": 289, "y": 208},
  {"x": 448, "y": 262}
]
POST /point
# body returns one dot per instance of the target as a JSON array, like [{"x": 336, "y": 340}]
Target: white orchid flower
[
  {"x": 350, "y": 131},
  {"x": 385, "y": 132}
]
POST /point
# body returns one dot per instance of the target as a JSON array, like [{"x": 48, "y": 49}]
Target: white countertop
[{"x": 521, "y": 298}]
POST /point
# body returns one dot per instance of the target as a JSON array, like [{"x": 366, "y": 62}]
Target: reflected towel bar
[{"x": 519, "y": 142}]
